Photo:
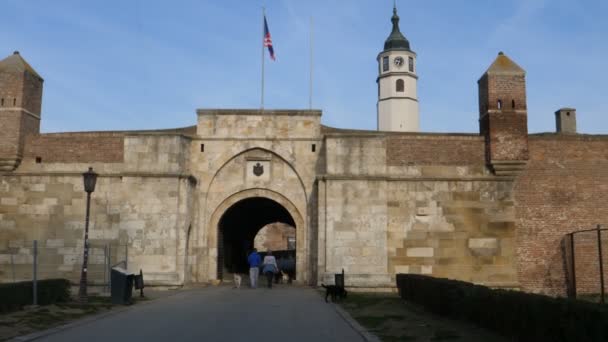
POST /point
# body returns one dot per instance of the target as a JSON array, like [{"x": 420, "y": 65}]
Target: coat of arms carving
[{"x": 258, "y": 169}]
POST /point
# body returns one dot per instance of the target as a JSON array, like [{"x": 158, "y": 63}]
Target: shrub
[
  {"x": 517, "y": 315},
  {"x": 14, "y": 296}
]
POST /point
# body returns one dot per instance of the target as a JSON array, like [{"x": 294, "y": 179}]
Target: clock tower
[{"x": 397, "y": 84}]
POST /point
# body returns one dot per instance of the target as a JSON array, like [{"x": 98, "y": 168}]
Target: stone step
[{"x": 508, "y": 168}]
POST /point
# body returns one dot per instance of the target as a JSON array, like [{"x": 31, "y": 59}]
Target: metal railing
[
  {"x": 34, "y": 261},
  {"x": 585, "y": 245}
]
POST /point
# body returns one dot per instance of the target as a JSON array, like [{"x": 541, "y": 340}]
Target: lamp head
[{"x": 90, "y": 178}]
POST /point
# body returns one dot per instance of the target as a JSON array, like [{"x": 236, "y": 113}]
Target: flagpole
[
  {"x": 263, "y": 37},
  {"x": 311, "y": 66}
]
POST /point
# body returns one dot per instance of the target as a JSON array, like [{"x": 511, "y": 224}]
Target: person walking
[
  {"x": 254, "y": 261},
  {"x": 269, "y": 267}
]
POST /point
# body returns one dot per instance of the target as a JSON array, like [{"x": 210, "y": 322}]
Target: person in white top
[{"x": 269, "y": 267}]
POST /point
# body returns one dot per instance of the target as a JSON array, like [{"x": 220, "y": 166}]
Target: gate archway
[
  {"x": 236, "y": 221},
  {"x": 238, "y": 228}
]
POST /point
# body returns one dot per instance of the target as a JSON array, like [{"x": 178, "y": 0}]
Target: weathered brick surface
[
  {"x": 502, "y": 111},
  {"x": 32, "y": 93},
  {"x": 508, "y": 89},
  {"x": 564, "y": 188},
  {"x": 586, "y": 257},
  {"x": 11, "y": 88},
  {"x": 20, "y": 104},
  {"x": 444, "y": 149},
  {"x": 76, "y": 147},
  {"x": 506, "y": 135},
  {"x": 274, "y": 237},
  {"x": 9, "y": 133}
]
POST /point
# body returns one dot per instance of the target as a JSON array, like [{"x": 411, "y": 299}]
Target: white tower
[{"x": 397, "y": 84}]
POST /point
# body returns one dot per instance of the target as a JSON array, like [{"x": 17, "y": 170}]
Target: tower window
[
  {"x": 2, "y": 102},
  {"x": 411, "y": 63},
  {"x": 202, "y": 147},
  {"x": 385, "y": 63},
  {"x": 314, "y": 147},
  {"x": 513, "y": 104},
  {"x": 400, "y": 86},
  {"x": 499, "y": 104},
  {"x": 14, "y": 102}
]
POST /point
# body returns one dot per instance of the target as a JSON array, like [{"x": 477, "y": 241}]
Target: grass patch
[
  {"x": 392, "y": 319},
  {"x": 593, "y": 298},
  {"x": 445, "y": 335},
  {"x": 33, "y": 319}
]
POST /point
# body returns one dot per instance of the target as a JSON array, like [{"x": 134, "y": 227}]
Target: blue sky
[{"x": 143, "y": 64}]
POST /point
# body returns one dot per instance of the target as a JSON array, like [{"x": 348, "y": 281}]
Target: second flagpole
[{"x": 263, "y": 38}]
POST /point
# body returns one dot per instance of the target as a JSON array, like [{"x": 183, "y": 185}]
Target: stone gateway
[{"x": 489, "y": 208}]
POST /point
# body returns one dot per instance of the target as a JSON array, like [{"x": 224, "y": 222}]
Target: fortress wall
[
  {"x": 75, "y": 147},
  {"x": 402, "y": 204},
  {"x": 459, "y": 229},
  {"x": 147, "y": 213},
  {"x": 356, "y": 155},
  {"x": 252, "y": 124},
  {"x": 452, "y": 229},
  {"x": 354, "y": 232},
  {"x": 564, "y": 188},
  {"x": 153, "y": 153},
  {"x": 403, "y": 150}
]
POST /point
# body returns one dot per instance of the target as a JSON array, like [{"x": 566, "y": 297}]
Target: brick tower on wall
[
  {"x": 503, "y": 116},
  {"x": 20, "y": 106}
]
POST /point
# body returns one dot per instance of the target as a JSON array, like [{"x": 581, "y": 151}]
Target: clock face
[{"x": 398, "y": 61}]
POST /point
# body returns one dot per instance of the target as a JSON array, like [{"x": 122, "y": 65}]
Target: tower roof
[
  {"x": 504, "y": 65},
  {"x": 16, "y": 63},
  {"x": 396, "y": 40}
]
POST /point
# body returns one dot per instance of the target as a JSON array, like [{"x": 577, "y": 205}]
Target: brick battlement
[{"x": 75, "y": 147}]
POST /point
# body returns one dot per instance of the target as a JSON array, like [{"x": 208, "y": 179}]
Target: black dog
[{"x": 335, "y": 292}]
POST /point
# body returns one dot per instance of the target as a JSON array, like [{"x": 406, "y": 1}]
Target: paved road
[{"x": 222, "y": 314}]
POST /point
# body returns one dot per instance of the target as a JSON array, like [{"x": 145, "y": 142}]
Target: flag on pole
[{"x": 268, "y": 40}]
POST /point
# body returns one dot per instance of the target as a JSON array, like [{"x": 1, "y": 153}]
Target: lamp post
[{"x": 90, "y": 178}]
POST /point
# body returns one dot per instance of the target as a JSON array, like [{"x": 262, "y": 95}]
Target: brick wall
[
  {"x": 502, "y": 111},
  {"x": 435, "y": 150},
  {"x": 586, "y": 256},
  {"x": 9, "y": 133},
  {"x": 76, "y": 147},
  {"x": 32, "y": 93},
  {"x": 506, "y": 135},
  {"x": 11, "y": 88},
  {"x": 564, "y": 188},
  {"x": 509, "y": 89}
]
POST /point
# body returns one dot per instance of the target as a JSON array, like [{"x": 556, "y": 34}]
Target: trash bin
[
  {"x": 339, "y": 279},
  {"x": 138, "y": 281},
  {"x": 122, "y": 286}
]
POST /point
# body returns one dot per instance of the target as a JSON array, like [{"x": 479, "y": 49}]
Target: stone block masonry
[{"x": 489, "y": 208}]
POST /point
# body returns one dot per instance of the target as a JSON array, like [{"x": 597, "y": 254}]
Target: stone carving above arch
[{"x": 239, "y": 173}]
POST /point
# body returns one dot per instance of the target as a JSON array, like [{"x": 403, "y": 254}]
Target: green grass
[
  {"x": 39, "y": 318},
  {"x": 593, "y": 298},
  {"x": 392, "y": 319},
  {"x": 445, "y": 335}
]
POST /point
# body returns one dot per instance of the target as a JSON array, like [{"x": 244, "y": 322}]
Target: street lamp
[{"x": 90, "y": 178}]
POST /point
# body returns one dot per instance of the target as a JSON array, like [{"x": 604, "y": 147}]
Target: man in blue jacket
[{"x": 254, "y": 260}]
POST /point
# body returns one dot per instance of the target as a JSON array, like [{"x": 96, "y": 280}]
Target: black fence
[{"x": 584, "y": 260}]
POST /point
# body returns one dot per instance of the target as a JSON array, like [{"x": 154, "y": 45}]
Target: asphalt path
[{"x": 284, "y": 313}]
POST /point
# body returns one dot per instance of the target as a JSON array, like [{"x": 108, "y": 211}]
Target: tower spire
[{"x": 396, "y": 40}]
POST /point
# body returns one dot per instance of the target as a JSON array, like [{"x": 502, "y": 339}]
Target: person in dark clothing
[{"x": 269, "y": 267}]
